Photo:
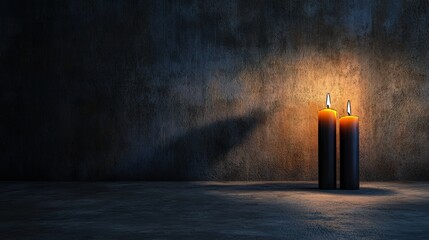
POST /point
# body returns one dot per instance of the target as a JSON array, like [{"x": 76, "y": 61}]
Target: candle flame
[
  {"x": 349, "y": 108},
  {"x": 328, "y": 100}
]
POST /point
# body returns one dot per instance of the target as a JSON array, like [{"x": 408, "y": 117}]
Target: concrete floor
[{"x": 212, "y": 210}]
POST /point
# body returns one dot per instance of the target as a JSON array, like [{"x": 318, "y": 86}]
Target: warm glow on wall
[{"x": 293, "y": 85}]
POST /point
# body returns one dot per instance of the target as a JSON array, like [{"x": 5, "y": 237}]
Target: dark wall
[{"x": 213, "y": 90}]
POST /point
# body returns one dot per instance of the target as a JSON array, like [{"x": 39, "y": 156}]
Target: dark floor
[{"x": 212, "y": 210}]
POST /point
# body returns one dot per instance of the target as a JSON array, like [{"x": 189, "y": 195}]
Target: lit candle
[
  {"x": 327, "y": 146},
  {"x": 349, "y": 150}
]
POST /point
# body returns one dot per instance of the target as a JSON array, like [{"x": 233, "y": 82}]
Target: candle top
[
  {"x": 328, "y": 111},
  {"x": 349, "y": 119}
]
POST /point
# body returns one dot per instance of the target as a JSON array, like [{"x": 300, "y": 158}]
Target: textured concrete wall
[{"x": 218, "y": 90}]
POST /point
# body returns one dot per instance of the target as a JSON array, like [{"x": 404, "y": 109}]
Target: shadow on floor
[{"x": 300, "y": 187}]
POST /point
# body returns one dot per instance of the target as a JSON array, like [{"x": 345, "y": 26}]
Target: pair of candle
[{"x": 349, "y": 148}]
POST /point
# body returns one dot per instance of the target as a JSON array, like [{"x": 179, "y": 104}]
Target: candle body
[
  {"x": 327, "y": 148},
  {"x": 349, "y": 152}
]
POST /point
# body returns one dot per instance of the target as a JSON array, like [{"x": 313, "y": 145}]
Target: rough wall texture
[{"x": 215, "y": 90}]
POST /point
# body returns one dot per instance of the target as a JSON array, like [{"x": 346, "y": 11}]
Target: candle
[
  {"x": 327, "y": 146},
  {"x": 349, "y": 151}
]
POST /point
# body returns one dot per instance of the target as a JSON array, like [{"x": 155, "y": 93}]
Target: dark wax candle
[
  {"x": 327, "y": 147},
  {"x": 349, "y": 151}
]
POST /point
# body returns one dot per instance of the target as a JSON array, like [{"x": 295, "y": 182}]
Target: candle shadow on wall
[{"x": 191, "y": 155}]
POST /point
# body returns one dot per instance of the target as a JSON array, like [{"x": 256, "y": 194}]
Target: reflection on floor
[{"x": 212, "y": 210}]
